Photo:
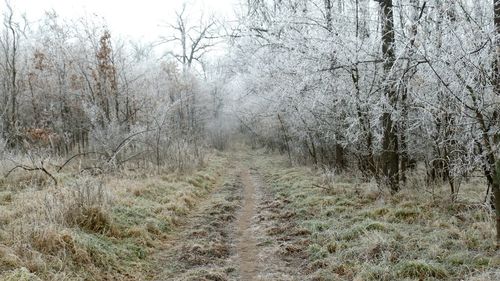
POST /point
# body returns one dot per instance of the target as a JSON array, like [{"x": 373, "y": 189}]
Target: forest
[{"x": 297, "y": 140}]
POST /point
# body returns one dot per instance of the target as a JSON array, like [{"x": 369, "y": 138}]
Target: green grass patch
[{"x": 419, "y": 269}]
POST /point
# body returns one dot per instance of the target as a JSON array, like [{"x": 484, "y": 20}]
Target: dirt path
[
  {"x": 261, "y": 254},
  {"x": 246, "y": 246},
  {"x": 231, "y": 236}
]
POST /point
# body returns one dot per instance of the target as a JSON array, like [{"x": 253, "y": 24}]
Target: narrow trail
[
  {"x": 246, "y": 245},
  {"x": 231, "y": 235},
  {"x": 257, "y": 249}
]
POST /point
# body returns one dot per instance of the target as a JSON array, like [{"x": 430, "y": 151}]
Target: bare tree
[
  {"x": 10, "y": 45},
  {"x": 194, "y": 40},
  {"x": 190, "y": 43}
]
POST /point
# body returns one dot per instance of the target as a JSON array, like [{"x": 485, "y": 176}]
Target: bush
[{"x": 86, "y": 206}]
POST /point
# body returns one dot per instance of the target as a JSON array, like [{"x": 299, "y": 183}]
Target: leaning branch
[{"x": 32, "y": 169}]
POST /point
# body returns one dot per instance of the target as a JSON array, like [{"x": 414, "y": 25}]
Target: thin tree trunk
[
  {"x": 496, "y": 118},
  {"x": 340, "y": 162},
  {"x": 328, "y": 14},
  {"x": 403, "y": 148},
  {"x": 13, "y": 72},
  {"x": 390, "y": 154},
  {"x": 285, "y": 137}
]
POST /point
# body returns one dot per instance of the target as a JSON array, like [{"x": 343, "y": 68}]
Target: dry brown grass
[
  {"x": 360, "y": 232},
  {"x": 92, "y": 228}
]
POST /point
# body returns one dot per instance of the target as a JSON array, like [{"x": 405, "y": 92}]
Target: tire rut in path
[
  {"x": 202, "y": 249},
  {"x": 257, "y": 251},
  {"x": 246, "y": 245}
]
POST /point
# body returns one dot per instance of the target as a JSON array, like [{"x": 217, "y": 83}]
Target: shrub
[
  {"x": 86, "y": 206},
  {"x": 83, "y": 202}
]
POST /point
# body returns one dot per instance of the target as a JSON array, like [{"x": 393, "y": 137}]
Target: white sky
[{"x": 139, "y": 19}]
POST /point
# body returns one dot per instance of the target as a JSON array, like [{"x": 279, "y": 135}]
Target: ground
[
  {"x": 231, "y": 236},
  {"x": 246, "y": 215}
]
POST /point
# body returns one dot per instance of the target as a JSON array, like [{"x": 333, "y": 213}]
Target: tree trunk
[
  {"x": 286, "y": 138},
  {"x": 340, "y": 162},
  {"x": 328, "y": 14},
  {"x": 495, "y": 186},
  {"x": 496, "y": 115},
  {"x": 12, "y": 68},
  {"x": 390, "y": 154},
  {"x": 405, "y": 158}
]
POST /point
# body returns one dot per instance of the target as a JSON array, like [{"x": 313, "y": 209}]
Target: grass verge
[
  {"x": 95, "y": 228},
  {"x": 354, "y": 231}
]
